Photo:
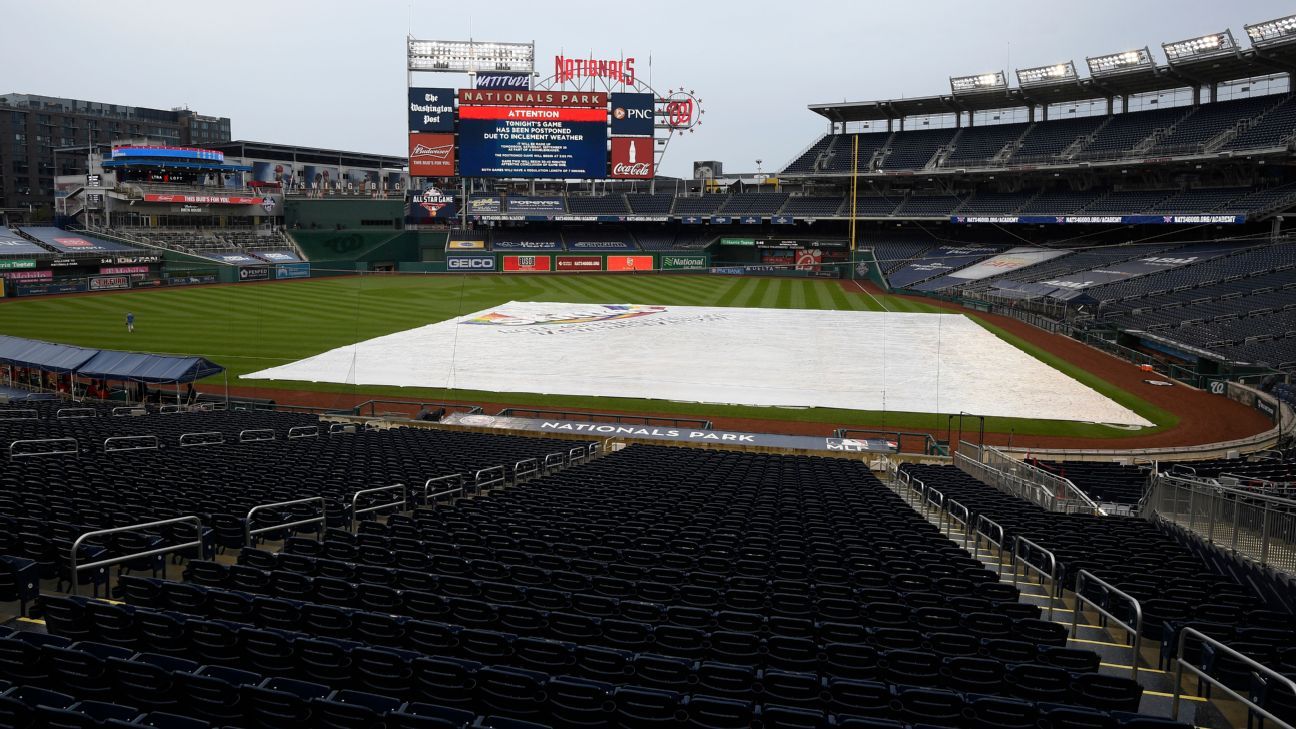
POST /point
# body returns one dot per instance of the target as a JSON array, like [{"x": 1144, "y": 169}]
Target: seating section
[
  {"x": 843, "y": 156},
  {"x": 1047, "y": 140},
  {"x": 1124, "y": 133},
  {"x": 1208, "y": 122},
  {"x": 641, "y": 204},
  {"x": 1105, "y": 483},
  {"x": 1274, "y": 129},
  {"x": 913, "y": 150},
  {"x": 982, "y": 143},
  {"x": 597, "y": 205},
  {"x": 754, "y": 203}
]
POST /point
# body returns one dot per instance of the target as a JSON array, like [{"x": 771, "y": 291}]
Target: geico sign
[{"x": 479, "y": 263}]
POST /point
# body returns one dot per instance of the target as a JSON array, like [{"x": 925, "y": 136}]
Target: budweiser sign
[
  {"x": 431, "y": 155},
  {"x": 632, "y": 158},
  {"x": 442, "y": 152}
]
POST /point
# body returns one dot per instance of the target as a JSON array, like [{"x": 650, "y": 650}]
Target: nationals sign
[
  {"x": 632, "y": 158},
  {"x": 431, "y": 155}
]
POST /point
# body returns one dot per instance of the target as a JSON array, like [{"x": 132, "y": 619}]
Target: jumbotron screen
[{"x": 558, "y": 134}]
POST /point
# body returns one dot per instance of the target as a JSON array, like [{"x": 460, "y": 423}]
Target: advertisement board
[
  {"x": 632, "y": 114},
  {"x": 431, "y": 155},
  {"x": 503, "y": 80},
  {"x": 504, "y": 242},
  {"x": 204, "y": 199},
  {"x": 747, "y": 242},
  {"x": 292, "y": 270},
  {"x": 532, "y": 134},
  {"x": 534, "y": 205},
  {"x": 465, "y": 245},
  {"x": 632, "y": 158},
  {"x": 40, "y": 289},
  {"x": 483, "y": 205},
  {"x": 579, "y": 263},
  {"x": 429, "y": 205},
  {"x": 14, "y": 264},
  {"x": 115, "y": 270},
  {"x": 680, "y": 263},
  {"x": 1137, "y": 267},
  {"x": 612, "y": 244},
  {"x": 809, "y": 259},
  {"x": 254, "y": 273},
  {"x": 629, "y": 263},
  {"x": 431, "y": 110},
  {"x": 470, "y": 263},
  {"x": 37, "y": 275},
  {"x": 109, "y": 283},
  {"x": 527, "y": 263}
]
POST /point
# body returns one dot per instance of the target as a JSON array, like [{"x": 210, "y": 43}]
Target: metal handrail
[
  {"x": 577, "y": 455},
  {"x": 596, "y": 448},
  {"x": 170, "y": 409},
  {"x": 1051, "y": 574},
  {"x": 355, "y": 498},
  {"x": 1084, "y": 576},
  {"x": 75, "y": 413},
  {"x": 76, "y": 448},
  {"x": 216, "y": 433},
  {"x": 951, "y": 518},
  {"x": 1258, "y": 669},
  {"x": 335, "y": 428},
  {"x": 939, "y": 502},
  {"x": 249, "y": 532},
  {"x": 531, "y": 473},
  {"x": 303, "y": 431},
  {"x": 21, "y": 412},
  {"x": 976, "y": 547},
  {"x": 129, "y": 411},
  {"x": 479, "y": 483},
  {"x": 550, "y": 465},
  {"x": 74, "y": 568},
  {"x": 254, "y": 435},
  {"x": 117, "y": 438},
  {"x": 429, "y": 496}
]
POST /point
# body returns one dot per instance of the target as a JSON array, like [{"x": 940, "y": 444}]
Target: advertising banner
[
  {"x": 632, "y": 114},
  {"x": 37, "y": 275},
  {"x": 431, "y": 110},
  {"x": 40, "y": 289},
  {"x": 254, "y": 273},
  {"x": 463, "y": 264},
  {"x": 204, "y": 199},
  {"x": 1101, "y": 219},
  {"x": 109, "y": 283},
  {"x": 782, "y": 220},
  {"x": 503, "y": 243},
  {"x": 535, "y": 205},
  {"x": 483, "y": 205},
  {"x": 14, "y": 264},
  {"x": 465, "y": 245},
  {"x": 532, "y": 134},
  {"x": 500, "y": 80},
  {"x": 679, "y": 263},
  {"x": 809, "y": 259},
  {"x": 128, "y": 260},
  {"x": 579, "y": 263},
  {"x": 292, "y": 270},
  {"x": 629, "y": 263},
  {"x": 747, "y": 242},
  {"x": 720, "y": 220},
  {"x": 1012, "y": 260},
  {"x": 431, "y": 155},
  {"x": 632, "y": 158},
  {"x": 114, "y": 270},
  {"x": 601, "y": 245},
  {"x": 527, "y": 263}
]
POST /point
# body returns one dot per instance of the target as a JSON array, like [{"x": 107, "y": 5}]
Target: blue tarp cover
[
  {"x": 43, "y": 355},
  {"x": 111, "y": 365}
]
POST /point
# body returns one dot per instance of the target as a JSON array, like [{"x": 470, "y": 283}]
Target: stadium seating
[
  {"x": 914, "y": 150},
  {"x": 1208, "y": 122},
  {"x": 842, "y": 154},
  {"x": 700, "y": 205},
  {"x": 641, "y": 204},
  {"x": 1273, "y": 129},
  {"x": 1047, "y": 140},
  {"x": 754, "y": 203},
  {"x": 983, "y": 143},
  {"x": 1130, "y": 132},
  {"x": 598, "y": 205}
]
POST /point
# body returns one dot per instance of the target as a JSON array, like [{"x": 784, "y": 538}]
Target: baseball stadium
[{"x": 977, "y": 412}]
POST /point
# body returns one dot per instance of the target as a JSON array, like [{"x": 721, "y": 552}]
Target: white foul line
[{"x": 871, "y": 296}]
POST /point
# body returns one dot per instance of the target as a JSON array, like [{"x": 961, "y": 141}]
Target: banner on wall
[
  {"x": 629, "y": 263},
  {"x": 579, "y": 263},
  {"x": 527, "y": 263}
]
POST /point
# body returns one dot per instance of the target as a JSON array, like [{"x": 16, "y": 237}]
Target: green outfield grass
[{"x": 251, "y": 327}]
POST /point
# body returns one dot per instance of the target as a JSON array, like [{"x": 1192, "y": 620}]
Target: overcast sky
[{"x": 330, "y": 73}]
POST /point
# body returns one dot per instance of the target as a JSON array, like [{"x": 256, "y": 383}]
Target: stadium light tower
[
  {"x": 469, "y": 56},
  {"x": 1272, "y": 32},
  {"x": 1123, "y": 62},
  {"x": 1047, "y": 75},
  {"x": 979, "y": 84},
  {"x": 1206, "y": 46}
]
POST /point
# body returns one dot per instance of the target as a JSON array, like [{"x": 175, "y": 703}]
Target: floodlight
[
  {"x": 1273, "y": 32},
  {"x": 470, "y": 56},
  {"x": 1123, "y": 62},
  {"x": 1043, "y": 75},
  {"x": 979, "y": 83},
  {"x": 1206, "y": 46}
]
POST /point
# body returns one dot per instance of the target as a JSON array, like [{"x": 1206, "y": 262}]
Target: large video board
[{"x": 511, "y": 133}]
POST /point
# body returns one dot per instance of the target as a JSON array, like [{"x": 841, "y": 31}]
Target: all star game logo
[{"x": 601, "y": 313}]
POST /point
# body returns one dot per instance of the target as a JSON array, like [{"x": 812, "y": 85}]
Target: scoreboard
[{"x": 510, "y": 133}]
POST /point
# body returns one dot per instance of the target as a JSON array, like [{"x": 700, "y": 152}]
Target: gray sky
[{"x": 330, "y": 73}]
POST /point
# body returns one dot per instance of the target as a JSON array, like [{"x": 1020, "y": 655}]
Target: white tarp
[
  {"x": 1007, "y": 261},
  {"x": 935, "y": 363}
]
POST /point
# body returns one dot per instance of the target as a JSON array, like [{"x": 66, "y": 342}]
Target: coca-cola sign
[{"x": 632, "y": 158}]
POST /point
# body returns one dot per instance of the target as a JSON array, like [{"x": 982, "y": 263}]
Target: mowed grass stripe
[
  {"x": 735, "y": 290},
  {"x": 757, "y": 293}
]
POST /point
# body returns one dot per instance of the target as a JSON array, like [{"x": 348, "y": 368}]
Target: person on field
[{"x": 130, "y": 322}]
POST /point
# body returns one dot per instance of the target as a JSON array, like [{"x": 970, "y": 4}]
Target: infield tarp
[{"x": 935, "y": 363}]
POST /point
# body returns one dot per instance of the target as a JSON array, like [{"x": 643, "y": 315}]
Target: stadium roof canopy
[
  {"x": 1267, "y": 56},
  {"x": 104, "y": 364}
]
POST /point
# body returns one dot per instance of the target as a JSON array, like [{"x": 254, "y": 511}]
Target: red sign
[
  {"x": 632, "y": 158},
  {"x": 808, "y": 259},
  {"x": 431, "y": 155},
  {"x": 75, "y": 243},
  {"x": 204, "y": 199},
  {"x": 493, "y": 97},
  {"x": 629, "y": 263},
  {"x": 527, "y": 114},
  {"x": 619, "y": 71},
  {"x": 42, "y": 275},
  {"x": 527, "y": 263},
  {"x": 580, "y": 263}
]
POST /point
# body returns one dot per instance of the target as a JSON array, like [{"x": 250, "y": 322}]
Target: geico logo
[{"x": 471, "y": 263}]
